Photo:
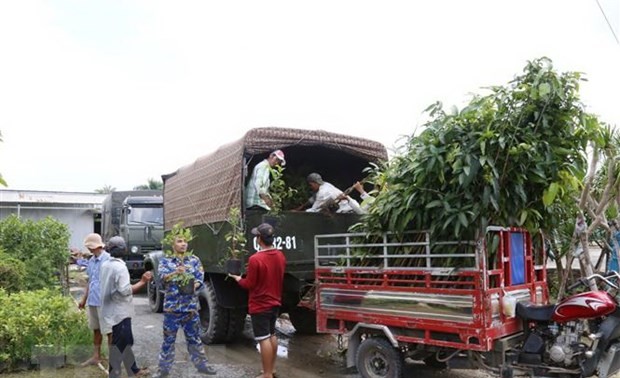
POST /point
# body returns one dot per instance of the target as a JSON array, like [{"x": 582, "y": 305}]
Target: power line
[{"x": 608, "y": 23}]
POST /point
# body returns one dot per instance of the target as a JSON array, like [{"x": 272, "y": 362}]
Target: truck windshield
[{"x": 146, "y": 215}]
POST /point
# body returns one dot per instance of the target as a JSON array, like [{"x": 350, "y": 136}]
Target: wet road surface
[{"x": 299, "y": 355}]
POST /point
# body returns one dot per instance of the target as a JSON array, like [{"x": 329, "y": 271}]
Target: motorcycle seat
[{"x": 530, "y": 311}]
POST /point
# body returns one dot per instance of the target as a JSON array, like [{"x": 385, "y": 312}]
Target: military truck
[
  {"x": 202, "y": 194},
  {"x": 137, "y": 216}
]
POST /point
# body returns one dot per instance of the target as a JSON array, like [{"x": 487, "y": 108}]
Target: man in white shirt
[
  {"x": 325, "y": 195},
  {"x": 117, "y": 309}
]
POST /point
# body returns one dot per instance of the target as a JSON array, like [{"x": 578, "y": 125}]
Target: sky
[{"x": 96, "y": 93}]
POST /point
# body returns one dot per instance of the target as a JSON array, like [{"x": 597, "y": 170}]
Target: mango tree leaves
[{"x": 509, "y": 158}]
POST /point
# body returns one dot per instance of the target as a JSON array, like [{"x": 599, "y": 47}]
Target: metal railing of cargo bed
[
  {"x": 432, "y": 291},
  {"x": 410, "y": 250}
]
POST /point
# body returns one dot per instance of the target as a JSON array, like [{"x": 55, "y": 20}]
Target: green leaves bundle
[{"x": 507, "y": 158}]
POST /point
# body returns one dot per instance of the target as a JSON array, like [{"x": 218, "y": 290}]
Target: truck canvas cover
[{"x": 205, "y": 191}]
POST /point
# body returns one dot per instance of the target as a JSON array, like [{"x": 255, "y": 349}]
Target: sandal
[
  {"x": 91, "y": 361},
  {"x": 142, "y": 372},
  {"x": 274, "y": 374}
]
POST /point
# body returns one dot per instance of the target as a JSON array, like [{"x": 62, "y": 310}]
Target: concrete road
[{"x": 299, "y": 355}]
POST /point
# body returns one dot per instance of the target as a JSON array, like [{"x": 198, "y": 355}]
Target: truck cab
[
  {"x": 142, "y": 227},
  {"x": 136, "y": 216}
]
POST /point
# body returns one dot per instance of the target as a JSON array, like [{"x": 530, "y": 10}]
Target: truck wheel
[
  {"x": 304, "y": 320},
  {"x": 236, "y": 323},
  {"x": 377, "y": 358},
  {"x": 156, "y": 297},
  {"x": 213, "y": 317}
]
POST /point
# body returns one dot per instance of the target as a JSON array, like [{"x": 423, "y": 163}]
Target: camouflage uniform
[{"x": 181, "y": 310}]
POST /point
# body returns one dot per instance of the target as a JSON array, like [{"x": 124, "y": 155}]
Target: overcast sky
[{"x": 96, "y": 93}]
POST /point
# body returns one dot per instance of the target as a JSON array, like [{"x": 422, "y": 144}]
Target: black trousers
[{"x": 121, "y": 351}]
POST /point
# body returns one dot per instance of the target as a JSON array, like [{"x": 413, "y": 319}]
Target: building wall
[
  {"x": 75, "y": 209},
  {"x": 80, "y": 221}
]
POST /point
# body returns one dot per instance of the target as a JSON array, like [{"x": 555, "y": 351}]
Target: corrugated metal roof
[{"x": 48, "y": 197}]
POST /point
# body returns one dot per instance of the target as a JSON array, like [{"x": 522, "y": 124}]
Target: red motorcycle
[{"x": 577, "y": 337}]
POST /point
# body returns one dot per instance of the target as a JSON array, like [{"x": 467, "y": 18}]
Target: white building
[{"x": 80, "y": 211}]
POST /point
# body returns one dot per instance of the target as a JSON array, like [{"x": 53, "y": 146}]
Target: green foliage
[
  {"x": 299, "y": 189},
  {"x": 182, "y": 279},
  {"x": 106, "y": 189},
  {"x": 12, "y": 273},
  {"x": 278, "y": 190},
  {"x": 236, "y": 236},
  {"x": 178, "y": 231},
  {"x": 42, "y": 317},
  {"x": 41, "y": 245},
  {"x": 152, "y": 184},
  {"x": 514, "y": 157}
]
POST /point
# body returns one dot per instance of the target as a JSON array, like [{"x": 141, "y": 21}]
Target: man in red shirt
[{"x": 263, "y": 280}]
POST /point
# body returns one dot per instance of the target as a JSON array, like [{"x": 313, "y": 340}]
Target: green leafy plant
[
  {"x": 513, "y": 157},
  {"x": 278, "y": 190},
  {"x": 236, "y": 236},
  {"x": 183, "y": 279},
  {"x": 39, "y": 318},
  {"x": 12, "y": 273},
  {"x": 42, "y": 246},
  {"x": 178, "y": 231}
]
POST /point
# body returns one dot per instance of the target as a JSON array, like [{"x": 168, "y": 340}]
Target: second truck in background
[{"x": 138, "y": 217}]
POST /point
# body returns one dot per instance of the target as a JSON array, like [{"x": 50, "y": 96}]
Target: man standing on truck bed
[
  {"x": 257, "y": 190},
  {"x": 264, "y": 280}
]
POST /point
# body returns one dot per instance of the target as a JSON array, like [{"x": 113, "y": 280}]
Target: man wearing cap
[
  {"x": 264, "y": 280},
  {"x": 324, "y": 195},
  {"x": 92, "y": 295},
  {"x": 257, "y": 189},
  {"x": 117, "y": 309}
]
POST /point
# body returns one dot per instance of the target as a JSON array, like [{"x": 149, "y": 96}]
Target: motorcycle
[{"x": 577, "y": 337}]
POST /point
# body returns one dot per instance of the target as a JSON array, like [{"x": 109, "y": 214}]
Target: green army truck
[
  {"x": 138, "y": 217},
  {"x": 202, "y": 194}
]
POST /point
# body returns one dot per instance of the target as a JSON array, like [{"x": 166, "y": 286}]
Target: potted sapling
[{"x": 236, "y": 242}]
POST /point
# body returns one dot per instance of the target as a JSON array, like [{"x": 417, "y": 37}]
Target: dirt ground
[{"x": 299, "y": 355}]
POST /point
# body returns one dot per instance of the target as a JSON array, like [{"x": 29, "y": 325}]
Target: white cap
[{"x": 280, "y": 155}]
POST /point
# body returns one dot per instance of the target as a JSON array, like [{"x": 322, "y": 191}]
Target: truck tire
[
  {"x": 377, "y": 358},
  {"x": 236, "y": 323},
  {"x": 156, "y": 297},
  {"x": 304, "y": 320},
  {"x": 213, "y": 317}
]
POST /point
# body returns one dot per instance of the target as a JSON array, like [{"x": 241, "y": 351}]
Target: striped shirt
[
  {"x": 258, "y": 184},
  {"x": 93, "y": 269}
]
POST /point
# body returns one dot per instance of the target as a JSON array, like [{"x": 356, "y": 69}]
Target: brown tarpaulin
[{"x": 205, "y": 191}]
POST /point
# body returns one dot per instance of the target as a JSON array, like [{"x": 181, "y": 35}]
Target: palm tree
[
  {"x": 106, "y": 189},
  {"x": 152, "y": 184}
]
